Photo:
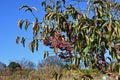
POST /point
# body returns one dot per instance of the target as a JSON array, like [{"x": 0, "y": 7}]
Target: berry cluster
[{"x": 58, "y": 40}]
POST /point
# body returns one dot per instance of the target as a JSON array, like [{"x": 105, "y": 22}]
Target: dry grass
[{"x": 48, "y": 75}]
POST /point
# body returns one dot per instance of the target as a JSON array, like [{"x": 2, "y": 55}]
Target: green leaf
[
  {"x": 86, "y": 61},
  {"x": 117, "y": 23},
  {"x": 86, "y": 50},
  {"x": 26, "y": 24},
  {"x": 20, "y": 23},
  {"x": 117, "y": 44},
  {"x": 118, "y": 57},
  {"x": 113, "y": 53},
  {"x": 105, "y": 24},
  {"x": 87, "y": 40}
]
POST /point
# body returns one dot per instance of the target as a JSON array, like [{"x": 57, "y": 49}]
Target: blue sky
[{"x": 9, "y": 16}]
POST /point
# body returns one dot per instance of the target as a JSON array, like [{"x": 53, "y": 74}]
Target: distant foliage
[
  {"x": 13, "y": 66},
  {"x": 2, "y": 65},
  {"x": 54, "y": 61}
]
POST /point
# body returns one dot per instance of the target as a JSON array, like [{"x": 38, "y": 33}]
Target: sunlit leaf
[
  {"x": 113, "y": 66},
  {"x": 118, "y": 57},
  {"x": 27, "y": 8},
  {"x": 34, "y": 8},
  {"x": 86, "y": 50},
  {"x": 87, "y": 40},
  {"x": 35, "y": 25},
  {"x": 110, "y": 23},
  {"x": 56, "y": 50},
  {"x": 32, "y": 46},
  {"x": 105, "y": 24},
  {"x": 23, "y": 6},
  {"x": 84, "y": 27}
]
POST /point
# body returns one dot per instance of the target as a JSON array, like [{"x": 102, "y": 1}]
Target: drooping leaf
[
  {"x": 105, "y": 24},
  {"x": 36, "y": 45},
  {"x": 43, "y": 3},
  {"x": 46, "y": 54},
  {"x": 113, "y": 66},
  {"x": 109, "y": 59},
  {"x": 23, "y": 6},
  {"x": 87, "y": 40},
  {"x": 86, "y": 61},
  {"x": 23, "y": 41},
  {"x": 110, "y": 23},
  {"x": 27, "y": 8},
  {"x": 113, "y": 53},
  {"x": 20, "y": 23},
  {"x": 56, "y": 50},
  {"x": 34, "y": 8},
  {"x": 26, "y": 24},
  {"x": 52, "y": 2},
  {"x": 32, "y": 46},
  {"x": 35, "y": 28},
  {"x": 17, "y": 39},
  {"x": 98, "y": 2},
  {"x": 86, "y": 50}
]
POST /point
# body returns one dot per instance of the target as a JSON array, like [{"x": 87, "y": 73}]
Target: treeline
[
  {"x": 16, "y": 70},
  {"x": 27, "y": 70},
  {"x": 52, "y": 68}
]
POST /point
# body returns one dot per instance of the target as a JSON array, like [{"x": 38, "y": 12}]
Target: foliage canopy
[{"x": 74, "y": 34}]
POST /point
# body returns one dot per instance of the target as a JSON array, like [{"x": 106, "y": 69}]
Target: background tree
[
  {"x": 2, "y": 68},
  {"x": 26, "y": 64},
  {"x": 74, "y": 34},
  {"x": 14, "y": 66},
  {"x": 2, "y": 65},
  {"x": 51, "y": 67}
]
